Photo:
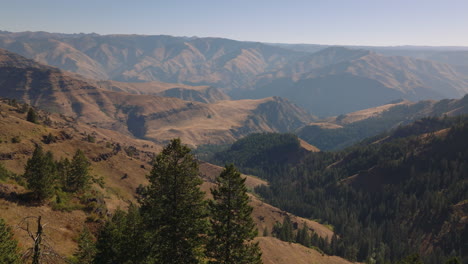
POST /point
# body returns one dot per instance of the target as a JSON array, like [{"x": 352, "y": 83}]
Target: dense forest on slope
[
  {"x": 398, "y": 194},
  {"x": 256, "y": 152}
]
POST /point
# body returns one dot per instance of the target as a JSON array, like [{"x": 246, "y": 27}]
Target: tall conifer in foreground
[
  {"x": 173, "y": 207},
  {"x": 232, "y": 226}
]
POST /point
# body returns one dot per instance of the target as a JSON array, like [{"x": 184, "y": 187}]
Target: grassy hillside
[{"x": 121, "y": 161}]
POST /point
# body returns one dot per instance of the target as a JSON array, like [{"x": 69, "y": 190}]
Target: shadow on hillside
[{"x": 24, "y": 199}]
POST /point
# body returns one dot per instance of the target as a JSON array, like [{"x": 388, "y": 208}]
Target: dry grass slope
[{"x": 122, "y": 173}]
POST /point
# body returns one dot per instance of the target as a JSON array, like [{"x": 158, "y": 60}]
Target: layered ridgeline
[
  {"x": 118, "y": 166},
  {"x": 342, "y": 131},
  {"x": 136, "y": 58},
  {"x": 142, "y": 114},
  {"x": 399, "y": 194},
  {"x": 455, "y": 56},
  {"x": 351, "y": 80},
  {"x": 330, "y": 81}
]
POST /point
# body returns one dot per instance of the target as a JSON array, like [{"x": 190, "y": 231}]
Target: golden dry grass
[
  {"x": 276, "y": 251},
  {"x": 63, "y": 227},
  {"x": 369, "y": 113},
  {"x": 308, "y": 146}
]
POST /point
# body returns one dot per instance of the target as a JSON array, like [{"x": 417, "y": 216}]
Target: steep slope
[
  {"x": 344, "y": 130},
  {"x": 123, "y": 163},
  {"x": 390, "y": 196},
  {"x": 56, "y": 53},
  {"x": 144, "y": 116}
]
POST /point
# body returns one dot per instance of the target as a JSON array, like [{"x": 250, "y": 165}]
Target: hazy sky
[{"x": 346, "y": 22}]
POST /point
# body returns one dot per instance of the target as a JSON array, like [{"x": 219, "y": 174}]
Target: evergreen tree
[
  {"x": 122, "y": 239},
  {"x": 9, "y": 253},
  {"x": 303, "y": 236},
  {"x": 40, "y": 173},
  {"x": 86, "y": 248},
  {"x": 411, "y": 259},
  {"x": 174, "y": 208},
  {"x": 232, "y": 226},
  {"x": 110, "y": 240},
  {"x": 286, "y": 233},
  {"x": 78, "y": 177},
  {"x": 63, "y": 170},
  {"x": 31, "y": 116}
]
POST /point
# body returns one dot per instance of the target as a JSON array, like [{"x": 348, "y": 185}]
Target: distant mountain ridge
[
  {"x": 141, "y": 115},
  {"x": 357, "y": 79},
  {"x": 344, "y": 130},
  {"x": 226, "y": 63},
  {"x": 330, "y": 81}
]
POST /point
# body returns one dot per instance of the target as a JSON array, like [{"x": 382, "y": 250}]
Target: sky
[{"x": 332, "y": 22}]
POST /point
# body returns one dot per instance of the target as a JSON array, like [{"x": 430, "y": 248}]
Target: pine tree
[
  {"x": 110, "y": 240},
  {"x": 86, "y": 247},
  {"x": 31, "y": 116},
  {"x": 174, "y": 208},
  {"x": 232, "y": 226},
  {"x": 411, "y": 259},
  {"x": 63, "y": 170},
  {"x": 9, "y": 252},
  {"x": 286, "y": 233},
  {"x": 122, "y": 239},
  {"x": 40, "y": 174},
  {"x": 303, "y": 236},
  {"x": 78, "y": 177}
]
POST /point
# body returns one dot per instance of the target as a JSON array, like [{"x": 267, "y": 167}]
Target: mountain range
[
  {"x": 120, "y": 98},
  {"x": 330, "y": 81},
  {"x": 145, "y": 115}
]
